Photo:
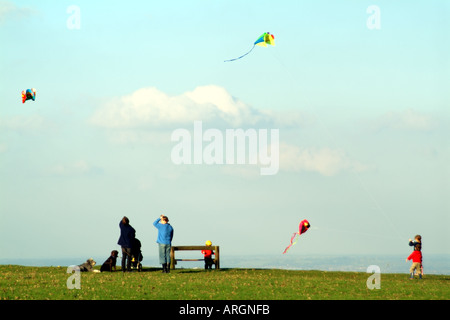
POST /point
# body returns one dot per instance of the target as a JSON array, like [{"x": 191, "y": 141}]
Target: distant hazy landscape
[{"x": 433, "y": 264}]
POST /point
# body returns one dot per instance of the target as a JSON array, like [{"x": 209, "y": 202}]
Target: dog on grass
[
  {"x": 110, "y": 263},
  {"x": 88, "y": 266}
]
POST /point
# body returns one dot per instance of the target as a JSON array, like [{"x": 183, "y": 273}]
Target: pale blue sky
[{"x": 363, "y": 117}]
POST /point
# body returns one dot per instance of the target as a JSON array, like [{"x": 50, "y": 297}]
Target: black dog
[{"x": 110, "y": 263}]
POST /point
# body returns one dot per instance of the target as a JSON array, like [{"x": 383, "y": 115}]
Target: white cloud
[
  {"x": 152, "y": 108},
  {"x": 326, "y": 161},
  {"x": 132, "y": 136},
  {"x": 9, "y": 9},
  {"x": 407, "y": 119}
]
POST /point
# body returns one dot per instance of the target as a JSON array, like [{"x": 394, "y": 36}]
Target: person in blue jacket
[
  {"x": 164, "y": 240},
  {"x": 126, "y": 239}
]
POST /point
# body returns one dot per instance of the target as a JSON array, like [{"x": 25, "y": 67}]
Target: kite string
[
  {"x": 379, "y": 208},
  {"x": 242, "y": 55}
]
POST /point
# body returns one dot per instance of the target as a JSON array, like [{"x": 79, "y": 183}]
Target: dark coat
[{"x": 127, "y": 235}]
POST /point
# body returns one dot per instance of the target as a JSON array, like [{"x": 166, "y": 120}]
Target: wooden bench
[{"x": 173, "y": 260}]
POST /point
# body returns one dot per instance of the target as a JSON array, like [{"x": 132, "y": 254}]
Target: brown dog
[
  {"x": 88, "y": 266},
  {"x": 110, "y": 263}
]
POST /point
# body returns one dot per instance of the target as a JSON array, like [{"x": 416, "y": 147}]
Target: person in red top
[
  {"x": 207, "y": 254},
  {"x": 416, "y": 258}
]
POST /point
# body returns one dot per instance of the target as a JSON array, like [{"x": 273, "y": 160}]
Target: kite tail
[
  {"x": 292, "y": 243},
  {"x": 242, "y": 55}
]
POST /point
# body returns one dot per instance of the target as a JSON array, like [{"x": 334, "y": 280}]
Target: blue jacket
[
  {"x": 127, "y": 235},
  {"x": 165, "y": 232}
]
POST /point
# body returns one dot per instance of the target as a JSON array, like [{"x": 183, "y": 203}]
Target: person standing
[
  {"x": 416, "y": 258},
  {"x": 126, "y": 239},
  {"x": 164, "y": 240},
  {"x": 413, "y": 243},
  {"x": 207, "y": 254}
]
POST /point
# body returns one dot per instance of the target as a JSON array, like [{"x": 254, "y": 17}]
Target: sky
[{"x": 357, "y": 92}]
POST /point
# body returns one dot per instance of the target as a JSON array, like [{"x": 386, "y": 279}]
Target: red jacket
[
  {"x": 207, "y": 253},
  {"x": 416, "y": 256}
]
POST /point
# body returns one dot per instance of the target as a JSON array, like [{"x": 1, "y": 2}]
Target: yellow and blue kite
[{"x": 265, "y": 39}]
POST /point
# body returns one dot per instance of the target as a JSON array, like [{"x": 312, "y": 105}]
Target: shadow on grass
[{"x": 180, "y": 270}]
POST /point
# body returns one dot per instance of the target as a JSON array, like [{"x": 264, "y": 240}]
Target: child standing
[
  {"x": 416, "y": 258},
  {"x": 412, "y": 243},
  {"x": 207, "y": 254}
]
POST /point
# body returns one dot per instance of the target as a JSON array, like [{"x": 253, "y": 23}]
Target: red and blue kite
[{"x": 29, "y": 94}]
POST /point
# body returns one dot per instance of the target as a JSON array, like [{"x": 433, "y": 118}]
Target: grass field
[{"x": 50, "y": 283}]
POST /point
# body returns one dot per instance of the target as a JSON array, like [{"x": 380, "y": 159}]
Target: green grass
[{"x": 49, "y": 283}]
